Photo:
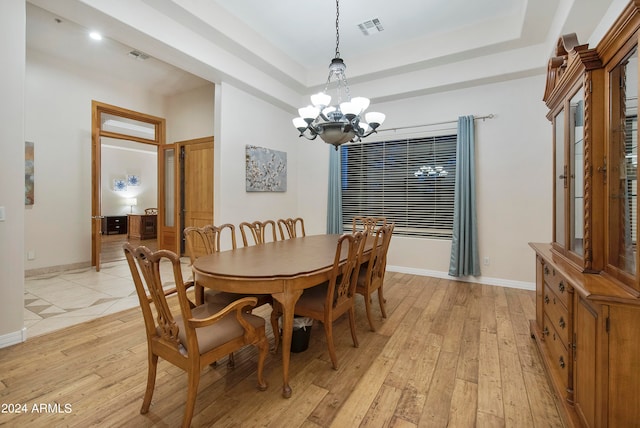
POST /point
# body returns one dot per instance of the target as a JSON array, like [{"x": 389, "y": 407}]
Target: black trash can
[
  {"x": 301, "y": 334},
  {"x": 300, "y": 339}
]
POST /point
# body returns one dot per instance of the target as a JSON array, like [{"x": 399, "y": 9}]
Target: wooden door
[
  {"x": 186, "y": 183},
  {"x": 197, "y": 182},
  {"x": 167, "y": 206}
]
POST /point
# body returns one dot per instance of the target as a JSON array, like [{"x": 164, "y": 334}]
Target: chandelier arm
[
  {"x": 373, "y": 131},
  {"x": 302, "y": 134}
]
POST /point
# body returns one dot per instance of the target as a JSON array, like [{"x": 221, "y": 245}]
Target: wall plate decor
[
  {"x": 28, "y": 173},
  {"x": 266, "y": 170},
  {"x": 133, "y": 180},
  {"x": 119, "y": 185}
]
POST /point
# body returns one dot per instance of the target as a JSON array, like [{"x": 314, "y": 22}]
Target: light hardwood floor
[{"x": 449, "y": 354}]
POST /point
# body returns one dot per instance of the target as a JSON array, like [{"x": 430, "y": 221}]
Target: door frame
[{"x": 97, "y": 109}]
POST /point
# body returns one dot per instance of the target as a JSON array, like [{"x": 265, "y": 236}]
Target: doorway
[
  {"x": 134, "y": 206},
  {"x": 121, "y": 187}
]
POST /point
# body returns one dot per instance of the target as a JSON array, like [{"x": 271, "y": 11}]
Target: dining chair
[
  {"x": 368, "y": 224},
  {"x": 208, "y": 240},
  {"x": 371, "y": 274},
  {"x": 291, "y": 228},
  {"x": 194, "y": 336},
  {"x": 330, "y": 300},
  {"x": 204, "y": 240},
  {"x": 260, "y": 231}
]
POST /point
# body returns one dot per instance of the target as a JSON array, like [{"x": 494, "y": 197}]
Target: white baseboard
[
  {"x": 13, "y": 338},
  {"x": 500, "y": 282}
]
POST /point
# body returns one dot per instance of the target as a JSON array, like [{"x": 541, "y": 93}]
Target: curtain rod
[{"x": 488, "y": 116}]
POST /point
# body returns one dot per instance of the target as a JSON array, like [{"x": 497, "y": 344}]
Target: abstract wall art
[
  {"x": 266, "y": 170},
  {"x": 29, "y": 183}
]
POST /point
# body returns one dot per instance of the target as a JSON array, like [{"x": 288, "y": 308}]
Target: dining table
[{"x": 283, "y": 269}]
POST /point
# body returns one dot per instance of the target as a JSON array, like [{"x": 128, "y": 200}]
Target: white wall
[
  {"x": 12, "y": 138},
  {"x": 58, "y": 121},
  {"x": 190, "y": 114},
  {"x": 117, "y": 163}
]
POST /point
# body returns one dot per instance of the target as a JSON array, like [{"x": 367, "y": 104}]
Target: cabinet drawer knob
[
  {"x": 562, "y": 323},
  {"x": 561, "y": 287},
  {"x": 545, "y": 331},
  {"x": 546, "y": 298},
  {"x": 546, "y": 270},
  {"x": 561, "y": 362}
]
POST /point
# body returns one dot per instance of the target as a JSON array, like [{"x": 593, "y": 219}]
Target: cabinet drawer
[
  {"x": 557, "y": 315},
  {"x": 557, "y": 284},
  {"x": 559, "y": 359}
]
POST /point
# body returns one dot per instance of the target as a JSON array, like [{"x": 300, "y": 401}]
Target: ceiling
[{"x": 293, "y": 41}]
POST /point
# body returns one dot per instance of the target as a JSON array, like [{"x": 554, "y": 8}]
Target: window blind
[{"x": 410, "y": 182}]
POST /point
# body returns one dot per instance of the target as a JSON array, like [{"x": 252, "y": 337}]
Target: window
[{"x": 410, "y": 182}]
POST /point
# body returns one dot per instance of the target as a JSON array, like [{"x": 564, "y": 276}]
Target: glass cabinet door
[
  {"x": 576, "y": 166},
  {"x": 623, "y": 166},
  {"x": 560, "y": 182}
]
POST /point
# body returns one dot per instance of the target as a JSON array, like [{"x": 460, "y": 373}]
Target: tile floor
[{"x": 55, "y": 301}]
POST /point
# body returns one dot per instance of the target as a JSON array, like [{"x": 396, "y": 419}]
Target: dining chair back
[
  {"x": 371, "y": 274},
  {"x": 200, "y": 241},
  {"x": 190, "y": 336},
  {"x": 260, "y": 232},
  {"x": 368, "y": 224},
  {"x": 330, "y": 300},
  {"x": 291, "y": 228},
  {"x": 208, "y": 240}
]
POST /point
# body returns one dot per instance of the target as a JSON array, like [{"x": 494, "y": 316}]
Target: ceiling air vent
[
  {"x": 138, "y": 55},
  {"x": 371, "y": 26}
]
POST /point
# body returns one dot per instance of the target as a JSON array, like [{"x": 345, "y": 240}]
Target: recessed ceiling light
[{"x": 95, "y": 35}]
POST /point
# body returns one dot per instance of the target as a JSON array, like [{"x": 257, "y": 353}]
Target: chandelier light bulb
[
  {"x": 350, "y": 110},
  {"x": 308, "y": 113},
  {"x": 320, "y": 100},
  {"x": 374, "y": 119},
  {"x": 300, "y": 124},
  {"x": 361, "y": 102}
]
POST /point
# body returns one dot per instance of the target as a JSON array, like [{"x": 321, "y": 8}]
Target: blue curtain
[
  {"x": 334, "y": 205},
  {"x": 465, "y": 260}
]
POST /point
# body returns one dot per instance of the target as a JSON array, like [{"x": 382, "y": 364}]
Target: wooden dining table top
[{"x": 281, "y": 259}]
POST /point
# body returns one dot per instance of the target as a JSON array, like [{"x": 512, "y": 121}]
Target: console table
[{"x": 142, "y": 226}]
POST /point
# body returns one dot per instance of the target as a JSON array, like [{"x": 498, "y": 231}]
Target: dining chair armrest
[{"x": 238, "y": 306}]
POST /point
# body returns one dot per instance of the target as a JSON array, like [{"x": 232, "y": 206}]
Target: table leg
[{"x": 287, "y": 300}]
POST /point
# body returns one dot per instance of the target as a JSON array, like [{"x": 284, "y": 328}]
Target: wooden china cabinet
[{"x": 587, "y": 324}]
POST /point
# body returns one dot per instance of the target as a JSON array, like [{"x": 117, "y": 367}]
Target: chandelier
[
  {"x": 429, "y": 171},
  {"x": 342, "y": 122}
]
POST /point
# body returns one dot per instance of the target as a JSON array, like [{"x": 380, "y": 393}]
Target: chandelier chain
[{"x": 337, "y": 29}]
